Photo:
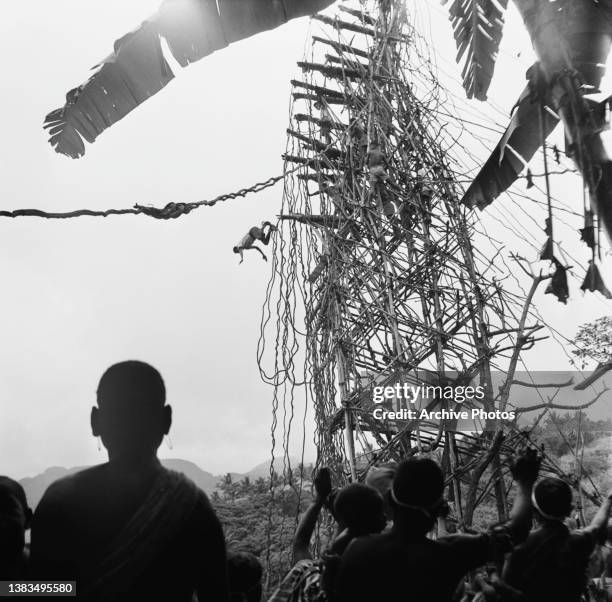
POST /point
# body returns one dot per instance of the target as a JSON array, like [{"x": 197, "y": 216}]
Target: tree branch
[
  {"x": 543, "y": 385},
  {"x": 554, "y": 406},
  {"x": 521, "y": 337}
]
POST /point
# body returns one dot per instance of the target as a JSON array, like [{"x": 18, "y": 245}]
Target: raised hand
[
  {"x": 322, "y": 483},
  {"x": 526, "y": 465},
  {"x": 443, "y": 509}
]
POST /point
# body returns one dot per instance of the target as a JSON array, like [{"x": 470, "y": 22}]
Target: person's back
[
  {"x": 552, "y": 562},
  {"x": 401, "y": 569},
  {"x": 89, "y": 525},
  {"x": 404, "y": 564},
  {"x": 130, "y": 529}
]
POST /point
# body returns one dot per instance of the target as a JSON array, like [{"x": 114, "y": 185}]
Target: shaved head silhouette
[{"x": 131, "y": 417}]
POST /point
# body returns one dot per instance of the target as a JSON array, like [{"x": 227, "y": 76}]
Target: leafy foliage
[
  {"x": 478, "y": 29},
  {"x": 559, "y": 434},
  {"x": 594, "y": 341},
  {"x": 261, "y": 516},
  {"x": 572, "y": 426}
]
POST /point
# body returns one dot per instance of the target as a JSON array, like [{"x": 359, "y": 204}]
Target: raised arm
[
  {"x": 599, "y": 525},
  {"x": 525, "y": 470},
  {"x": 301, "y": 541},
  {"x": 442, "y": 519}
]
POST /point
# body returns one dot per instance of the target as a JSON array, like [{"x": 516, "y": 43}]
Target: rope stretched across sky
[
  {"x": 170, "y": 211},
  {"x": 173, "y": 210}
]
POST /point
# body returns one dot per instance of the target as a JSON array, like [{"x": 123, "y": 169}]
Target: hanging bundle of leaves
[
  {"x": 594, "y": 282},
  {"x": 547, "y": 252},
  {"x": 558, "y": 283},
  {"x": 587, "y": 234}
]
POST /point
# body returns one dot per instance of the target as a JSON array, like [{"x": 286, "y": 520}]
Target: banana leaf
[
  {"x": 478, "y": 28},
  {"x": 137, "y": 69},
  {"x": 518, "y": 145}
]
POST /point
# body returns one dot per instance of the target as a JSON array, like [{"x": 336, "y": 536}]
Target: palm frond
[
  {"x": 478, "y": 28},
  {"x": 520, "y": 142},
  {"x": 137, "y": 69}
]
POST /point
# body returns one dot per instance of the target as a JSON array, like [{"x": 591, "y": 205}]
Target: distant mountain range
[{"x": 36, "y": 486}]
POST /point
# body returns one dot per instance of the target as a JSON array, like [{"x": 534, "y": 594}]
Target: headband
[
  {"x": 423, "y": 509},
  {"x": 537, "y": 507}
]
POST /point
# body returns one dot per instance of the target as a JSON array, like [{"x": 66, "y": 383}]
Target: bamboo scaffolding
[{"x": 397, "y": 288}]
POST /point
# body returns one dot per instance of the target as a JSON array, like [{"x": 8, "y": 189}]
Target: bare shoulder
[
  {"x": 368, "y": 545},
  {"x": 65, "y": 492},
  {"x": 203, "y": 510}
]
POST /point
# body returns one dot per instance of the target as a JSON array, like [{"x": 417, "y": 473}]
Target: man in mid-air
[{"x": 254, "y": 234}]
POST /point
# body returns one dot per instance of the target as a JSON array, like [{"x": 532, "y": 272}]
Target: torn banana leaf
[
  {"x": 558, "y": 284},
  {"x": 137, "y": 69},
  {"x": 478, "y": 28},
  {"x": 594, "y": 282},
  {"x": 518, "y": 145}
]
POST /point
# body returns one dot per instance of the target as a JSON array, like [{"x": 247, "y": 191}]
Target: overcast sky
[{"x": 78, "y": 295}]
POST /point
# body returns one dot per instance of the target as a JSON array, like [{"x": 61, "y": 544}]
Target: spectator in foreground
[
  {"x": 358, "y": 510},
  {"x": 15, "y": 518},
  {"x": 129, "y": 529},
  {"x": 245, "y": 573},
  {"x": 552, "y": 563},
  {"x": 403, "y": 564}
]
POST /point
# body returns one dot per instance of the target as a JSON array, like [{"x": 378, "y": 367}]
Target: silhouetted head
[
  {"x": 417, "y": 493},
  {"x": 552, "y": 499},
  {"x": 15, "y": 517},
  {"x": 381, "y": 478},
  {"x": 359, "y": 508},
  {"x": 131, "y": 417},
  {"x": 244, "y": 573},
  {"x": 236, "y": 249}
]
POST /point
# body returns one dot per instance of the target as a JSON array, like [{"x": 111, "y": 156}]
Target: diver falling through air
[{"x": 255, "y": 233}]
